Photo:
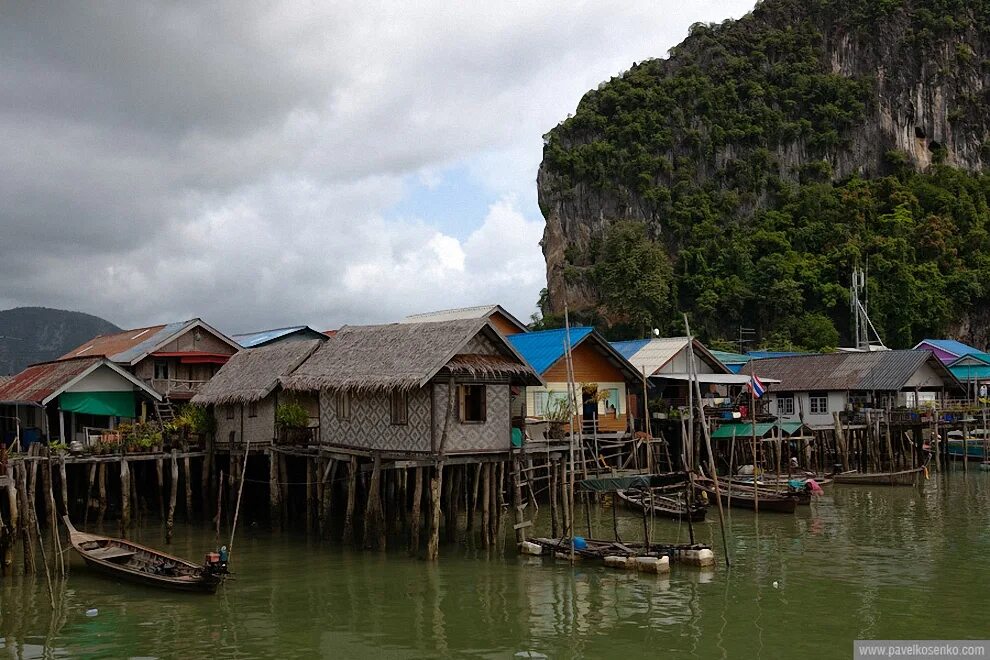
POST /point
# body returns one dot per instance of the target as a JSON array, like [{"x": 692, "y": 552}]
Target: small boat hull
[
  {"x": 663, "y": 506},
  {"x": 900, "y": 478},
  {"x": 747, "y": 498},
  {"x": 125, "y": 560}
]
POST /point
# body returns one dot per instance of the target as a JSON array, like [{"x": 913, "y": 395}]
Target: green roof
[
  {"x": 971, "y": 372},
  {"x": 745, "y": 429},
  {"x": 725, "y": 357}
]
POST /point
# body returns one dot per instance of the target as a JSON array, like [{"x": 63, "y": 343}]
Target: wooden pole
[
  {"x": 89, "y": 493},
  {"x": 552, "y": 478},
  {"x": 160, "y": 479},
  {"x": 486, "y": 497},
  {"x": 240, "y": 494},
  {"x": 374, "y": 524},
  {"x": 27, "y": 519},
  {"x": 436, "y": 483},
  {"x": 351, "y": 497},
  {"x": 417, "y": 516},
  {"x": 473, "y": 503},
  {"x": 517, "y": 503},
  {"x": 64, "y": 484},
  {"x": 125, "y": 496},
  {"x": 102, "y": 491},
  {"x": 274, "y": 490},
  {"x": 173, "y": 492},
  {"x": 187, "y": 477}
]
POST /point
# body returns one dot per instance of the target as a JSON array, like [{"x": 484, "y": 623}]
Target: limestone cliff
[{"x": 742, "y": 116}]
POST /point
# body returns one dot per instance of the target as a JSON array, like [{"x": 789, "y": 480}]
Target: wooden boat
[
  {"x": 745, "y": 498},
  {"x": 663, "y": 505},
  {"x": 900, "y": 478},
  {"x": 137, "y": 563}
]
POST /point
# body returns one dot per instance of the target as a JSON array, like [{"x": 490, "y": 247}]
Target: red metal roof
[
  {"x": 330, "y": 333},
  {"x": 40, "y": 381},
  {"x": 110, "y": 345}
]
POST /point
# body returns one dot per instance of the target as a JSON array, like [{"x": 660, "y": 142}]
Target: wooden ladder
[{"x": 165, "y": 412}]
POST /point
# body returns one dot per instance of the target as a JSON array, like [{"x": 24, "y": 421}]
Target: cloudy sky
[{"x": 271, "y": 163}]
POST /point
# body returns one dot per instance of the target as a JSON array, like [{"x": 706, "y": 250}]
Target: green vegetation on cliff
[{"x": 753, "y": 156}]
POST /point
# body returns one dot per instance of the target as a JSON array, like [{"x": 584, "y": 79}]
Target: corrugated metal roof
[
  {"x": 745, "y": 429},
  {"x": 952, "y": 346},
  {"x": 966, "y": 372},
  {"x": 543, "y": 348},
  {"x": 627, "y": 349},
  {"x": 37, "y": 382},
  {"x": 877, "y": 370},
  {"x": 262, "y": 337},
  {"x": 971, "y": 359},
  {"x": 126, "y": 345},
  {"x": 652, "y": 354}
]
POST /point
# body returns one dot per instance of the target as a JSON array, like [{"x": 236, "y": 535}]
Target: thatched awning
[
  {"x": 253, "y": 374},
  {"x": 380, "y": 358}
]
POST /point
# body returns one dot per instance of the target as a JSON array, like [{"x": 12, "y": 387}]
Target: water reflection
[{"x": 857, "y": 563}]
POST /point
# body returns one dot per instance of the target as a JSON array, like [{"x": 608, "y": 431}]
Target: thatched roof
[
  {"x": 404, "y": 356},
  {"x": 252, "y": 374}
]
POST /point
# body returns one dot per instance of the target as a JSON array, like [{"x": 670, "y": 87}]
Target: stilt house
[
  {"x": 433, "y": 388},
  {"x": 247, "y": 392}
]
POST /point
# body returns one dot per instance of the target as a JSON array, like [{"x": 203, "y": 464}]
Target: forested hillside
[
  {"x": 36, "y": 334},
  {"x": 742, "y": 177}
]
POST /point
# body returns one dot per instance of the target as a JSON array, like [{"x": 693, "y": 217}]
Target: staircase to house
[{"x": 164, "y": 412}]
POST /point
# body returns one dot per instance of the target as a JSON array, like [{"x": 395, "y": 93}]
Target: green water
[{"x": 858, "y": 563}]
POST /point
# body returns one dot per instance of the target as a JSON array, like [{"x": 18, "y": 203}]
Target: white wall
[
  {"x": 802, "y": 402},
  {"x": 103, "y": 379}
]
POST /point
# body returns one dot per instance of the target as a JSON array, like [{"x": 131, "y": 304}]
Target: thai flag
[{"x": 756, "y": 386}]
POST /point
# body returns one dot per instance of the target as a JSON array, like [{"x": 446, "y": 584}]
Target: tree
[{"x": 633, "y": 276}]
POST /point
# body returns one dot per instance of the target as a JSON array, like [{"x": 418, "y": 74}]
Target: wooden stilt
[
  {"x": 274, "y": 490},
  {"x": 125, "y": 497},
  {"x": 27, "y": 520},
  {"x": 401, "y": 500},
  {"x": 187, "y": 479},
  {"x": 172, "y": 493},
  {"x": 433, "y": 546},
  {"x": 486, "y": 500},
  {"x": 473, "y": 497},
  {"x": 517, "y": 503},
  {"x": 351, "y": 497},
  {"x": 12, "y": 509},
  {"x": 329, "y": 478},
  {"x": 283, "y": 481},
  {"x": 320, "y": 513},
  {"x": 498, "y": 500},
  {"x": 64, "y": 484},
  {"x": 416, "y": 519},
  {"x": 204, "y": 482},
  {"x": 374, "y": 527},
  {"x": 453, "y": 505},
  {"x": 89, "y": 493},
  {"x": 554, "y": 525},
  {"x": 160, "y": 480},
  {"x": 102, "y": 491},
  {"x": 310, "y": 497}
]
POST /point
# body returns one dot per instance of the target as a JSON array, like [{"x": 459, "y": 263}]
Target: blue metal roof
[
  {"x": 760, "y": 355},
  {"x": 957, "y": 348},
  {"x": 969, "y": 373},
  {"x": 628, "y": 349},
  {"x": 543, "y": 348},
  {"x": 252, "y": 339}
]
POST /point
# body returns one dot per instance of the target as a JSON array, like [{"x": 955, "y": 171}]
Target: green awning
[
  {"x": 116, "y": 404},
  {"x": 745, "y": 429}
]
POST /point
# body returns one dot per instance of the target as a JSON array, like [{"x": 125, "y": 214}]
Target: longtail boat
[
  {"x": 137, "y": 563},
  {"x": 663, "y": 505},
  {"x": 745, "y": 498},
  {"x": 900, "y": 478}
]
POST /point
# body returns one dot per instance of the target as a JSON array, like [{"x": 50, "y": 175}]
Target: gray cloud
[{"x": 237, "y": 160}]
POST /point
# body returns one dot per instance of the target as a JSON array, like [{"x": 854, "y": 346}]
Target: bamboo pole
[
  {"x": 240, "y": 493},
  {"x": 160, "y": 480},
  {"x": 89, "y": 493},
  {"x": 486, "y": 495},
  {"x": 64, "y": 484},
  {"x": 125, "y": 496},
  {"x": 27, "y": 519}
]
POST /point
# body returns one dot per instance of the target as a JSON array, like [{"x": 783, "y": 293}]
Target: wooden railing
[{"x": 172, "y": 386}]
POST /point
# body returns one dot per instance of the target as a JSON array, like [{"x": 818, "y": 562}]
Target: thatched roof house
[
  {"x": 254, "y": 373},
  {"x": 405, "y": 356},
  {"x": 436, "y": 387}
]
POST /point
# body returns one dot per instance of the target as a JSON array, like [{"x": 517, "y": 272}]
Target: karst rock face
[{"x": 797, "y": 92}]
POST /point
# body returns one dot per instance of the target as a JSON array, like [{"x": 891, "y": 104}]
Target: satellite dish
[{"x": 656, "y": 332}]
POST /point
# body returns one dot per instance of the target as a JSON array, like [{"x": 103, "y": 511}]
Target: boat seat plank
[{"x": 111, "y": 553}]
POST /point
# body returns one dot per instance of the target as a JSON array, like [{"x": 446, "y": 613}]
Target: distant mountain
[{"x": 36, "y": 334}]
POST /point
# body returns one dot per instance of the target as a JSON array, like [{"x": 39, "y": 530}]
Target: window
[
  {"x": 343, "y": 405},
  {"x": 400, "y": 407},
  {"x": 609, "y": 405},
  {"x": 540, "y": 403},
  {"x": 232, "y": 437},
  {"x": 230, "y": 412},
  {"x": 819, "y": 403},
  {"x": 253, "y": 409},
  {"x": 785, "y": 405},
  {"x": 161, "y": 370},
  {"x": 472, "y": 403}
]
